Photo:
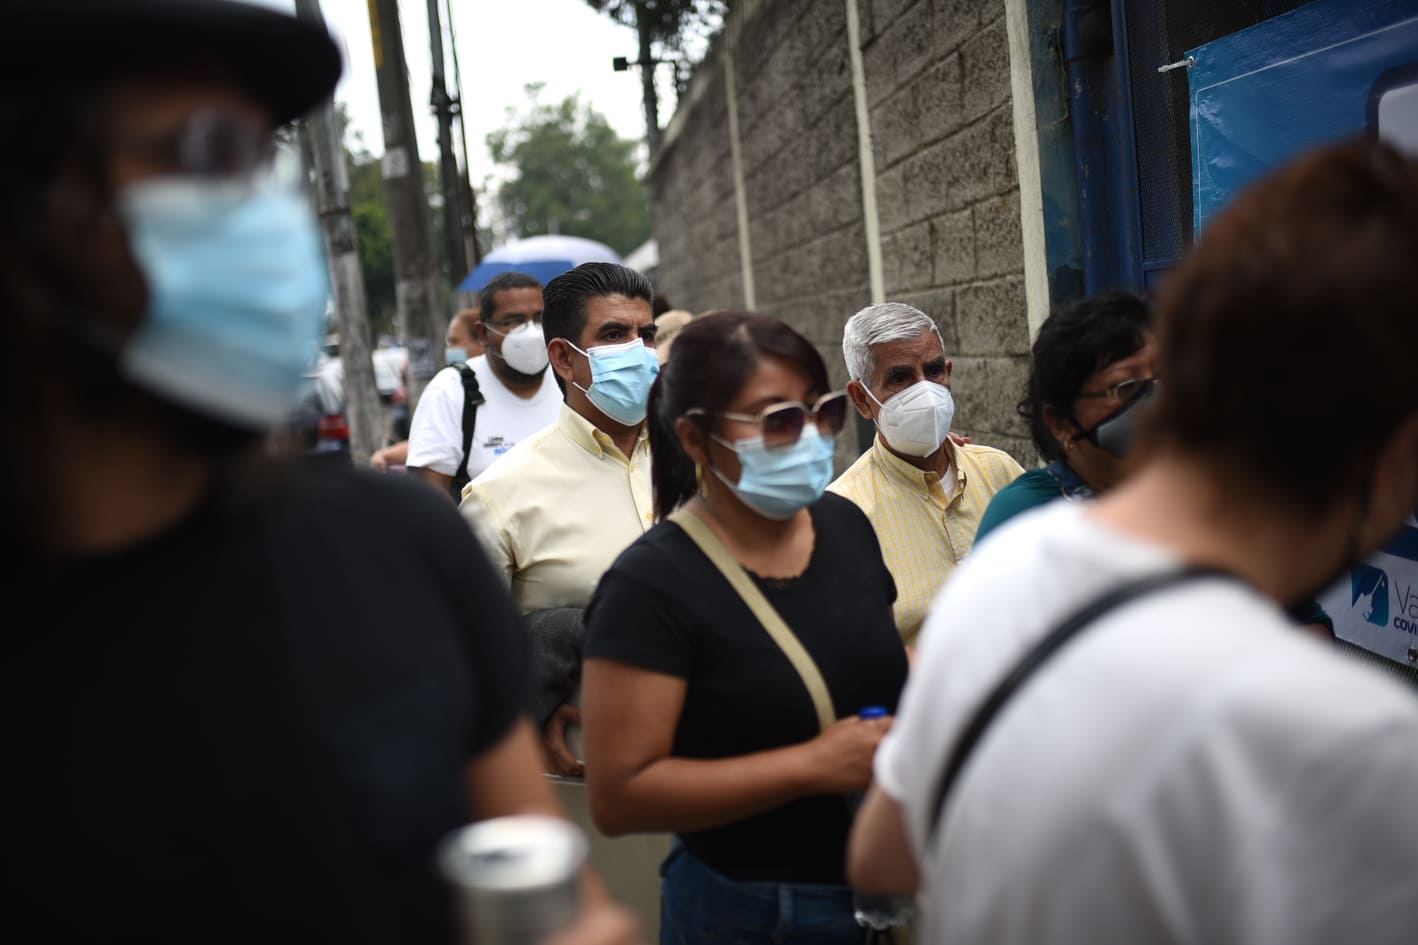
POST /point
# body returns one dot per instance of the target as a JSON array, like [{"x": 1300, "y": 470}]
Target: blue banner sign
[
  {"x": 1376, "y": 607},
  {"x": 1328, "y": 70}
]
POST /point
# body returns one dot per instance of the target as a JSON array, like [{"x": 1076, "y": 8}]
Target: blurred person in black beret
[{"x": 241, "y": 699}]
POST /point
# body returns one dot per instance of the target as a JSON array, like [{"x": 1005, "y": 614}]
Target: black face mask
[{"x": 1117, "y": 433}]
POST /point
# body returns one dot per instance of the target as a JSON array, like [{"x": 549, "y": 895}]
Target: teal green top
[{"x": 1031, "y": 490}]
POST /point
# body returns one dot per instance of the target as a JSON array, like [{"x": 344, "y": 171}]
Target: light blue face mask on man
[
  {"x": 778, "y": 482},
  {"x": 237, "y": 293},
  {"x": 621, "y": 376}
]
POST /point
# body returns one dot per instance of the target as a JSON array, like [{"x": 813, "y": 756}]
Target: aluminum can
[{"x": 516, "y": 880}]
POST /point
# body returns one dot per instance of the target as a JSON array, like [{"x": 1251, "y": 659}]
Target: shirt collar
[
  {"x": 1071, "y": 484},
  {"x": 916, "y": 478},
  {"x": 591, "y": 438}
]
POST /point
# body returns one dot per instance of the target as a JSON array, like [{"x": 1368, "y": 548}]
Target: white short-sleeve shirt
[
  {"x": 436, "y": 431},
  {"x": 1191, "y": 768},
  {"x": 389, "y": 367}
]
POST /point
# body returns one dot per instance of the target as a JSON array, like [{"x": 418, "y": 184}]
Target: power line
[{"x": 470, "y": 196}]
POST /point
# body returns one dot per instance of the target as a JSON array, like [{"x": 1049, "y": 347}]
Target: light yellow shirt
[
  {"x": 557, "y": 509},
  {"x": 924, "y": 530}
]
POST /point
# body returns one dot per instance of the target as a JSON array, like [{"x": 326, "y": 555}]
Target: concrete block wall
[
  {"x": 936, "y": 80},
  {"x": 695, "y": 178}
]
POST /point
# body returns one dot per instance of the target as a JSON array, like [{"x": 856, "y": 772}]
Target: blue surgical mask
[
  {"x": 621, "y": 376},
  {"x": 778, "y": 482},
  {"x": 237, "y": 294},
  {"x": 455, "y": 355}
]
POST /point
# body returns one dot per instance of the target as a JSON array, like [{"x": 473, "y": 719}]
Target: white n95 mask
[
  {"x": 917, "y": 420},
  {"x": 524, "y": 349}
]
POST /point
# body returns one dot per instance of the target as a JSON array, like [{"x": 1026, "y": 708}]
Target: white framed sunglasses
[{"x": 782, "y": 423}]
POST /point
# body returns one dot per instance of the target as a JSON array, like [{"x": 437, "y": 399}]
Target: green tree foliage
[
  {"x": 372, "y": 227},
  {"x": 571, "y": 174},
  {"x": 376, "y": 262}
]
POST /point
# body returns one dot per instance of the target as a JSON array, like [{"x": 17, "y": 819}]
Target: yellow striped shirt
[{"x": 924, "y": 532}]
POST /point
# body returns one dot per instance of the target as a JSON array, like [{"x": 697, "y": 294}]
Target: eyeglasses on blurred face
[
  {"x": 1121, "y": 392},
  {"x": 510, "y": 323},
  {"x": 782, "y": 423},
  {"x": 211, "y": 142}
]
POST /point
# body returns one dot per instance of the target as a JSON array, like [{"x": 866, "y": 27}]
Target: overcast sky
[{"x": 502, "y": 46}]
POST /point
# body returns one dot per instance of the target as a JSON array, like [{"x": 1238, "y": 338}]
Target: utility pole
[
  {"x": 321, "y": 140},
  {"x": 420, "y": 298},
  {"x": 647, "y": 78},
  {"x": 646, "y": 63},
  {"x": 454, "y": 219}
]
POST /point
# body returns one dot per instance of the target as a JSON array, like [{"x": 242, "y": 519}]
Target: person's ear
[
  {"x": 857, "y": 394},
  {"x": 1061, "y": 428},
  {"x": 559, "y": 353},
  {"x": 949, "y": 366},
  {"x": 480, "y": 332},
  {"x": 693, "y": 441}
]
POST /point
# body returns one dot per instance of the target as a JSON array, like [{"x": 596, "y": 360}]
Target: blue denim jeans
[{"x": 699, "y": 906}]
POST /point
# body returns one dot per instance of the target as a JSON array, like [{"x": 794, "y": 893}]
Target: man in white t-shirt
[
  {"x": 1190, "y": 767},
  {"x": 518, "y": 394}
]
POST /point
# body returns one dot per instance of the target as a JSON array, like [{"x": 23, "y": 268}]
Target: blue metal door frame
[
  {"x": 1105, "y": 146},
  {"x": 1128, "y": 231}
]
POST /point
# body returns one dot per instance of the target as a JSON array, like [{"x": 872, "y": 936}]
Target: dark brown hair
[
  {"x": 487, "y": 301},
  {"x": 54, "y": 194},
  {"x": 1075, "y": 342},
  {"x": 564, "y": 298},
  {"x": 1288, "y": 339},
  {"x": 712, "y": 359}
]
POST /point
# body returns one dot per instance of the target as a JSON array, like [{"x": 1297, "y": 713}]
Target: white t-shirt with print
[
  {"x": 436, "y": 431},
  {"x": 1191, "y": 768}
]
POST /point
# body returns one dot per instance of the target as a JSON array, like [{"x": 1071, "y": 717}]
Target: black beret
[{"x": 289, "y": 65}]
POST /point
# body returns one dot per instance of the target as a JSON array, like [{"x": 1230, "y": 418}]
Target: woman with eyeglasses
[
  {"x": 1090, "y": 378},
  {"x": 697, "y": 720},
  {"x": 1091, "y": 369}
]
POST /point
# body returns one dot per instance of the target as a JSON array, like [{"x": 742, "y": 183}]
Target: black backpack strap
[
  {"x": 472, "y": 399},
  {"x": 1032, "y": 661}
]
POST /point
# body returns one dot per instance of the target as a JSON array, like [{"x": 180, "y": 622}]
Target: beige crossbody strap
[{"x": 781, "y": 633}]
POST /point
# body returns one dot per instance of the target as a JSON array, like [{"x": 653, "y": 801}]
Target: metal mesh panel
[
  {"x": 1159, "y": 33},
  {"x": 1407, "y": 674}
]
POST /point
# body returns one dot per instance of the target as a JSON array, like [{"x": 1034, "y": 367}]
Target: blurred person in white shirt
[{"x": 1189, "y": 767}]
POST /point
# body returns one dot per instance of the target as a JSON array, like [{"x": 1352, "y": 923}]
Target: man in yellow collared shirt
[
  {"x": 924, "y": 494},
  {"x": 557, "y": 509}
]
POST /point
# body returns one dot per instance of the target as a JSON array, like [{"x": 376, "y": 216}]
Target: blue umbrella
[{"x": 544, "y": 257}]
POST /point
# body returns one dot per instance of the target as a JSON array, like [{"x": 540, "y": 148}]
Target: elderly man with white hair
[{"x": 923, "y": 493}]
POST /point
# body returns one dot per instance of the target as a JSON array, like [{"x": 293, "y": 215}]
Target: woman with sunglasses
[
  {"x": 1090, "y": 371},
  {"x": 697, "y": 722}
]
